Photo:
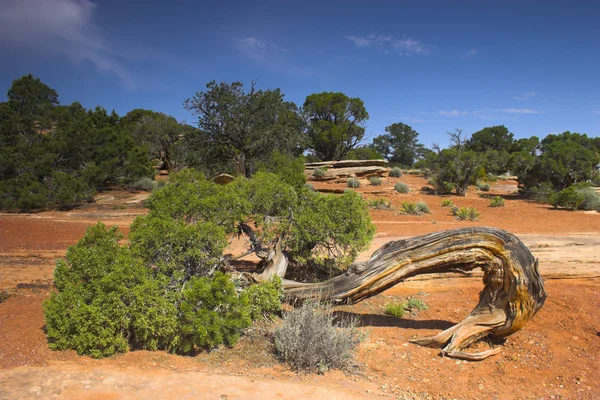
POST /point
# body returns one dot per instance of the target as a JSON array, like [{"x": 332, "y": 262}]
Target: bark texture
[{"x": 513, "y": 292}]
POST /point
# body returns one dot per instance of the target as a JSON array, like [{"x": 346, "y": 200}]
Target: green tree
[
  {"x": 363, "y": 153},
  {"x": 335, "y": 123},
  {"x": 399, "y": 145},
  {"x": 491, "y": 138},
  {"x": 245, "y": 127}
]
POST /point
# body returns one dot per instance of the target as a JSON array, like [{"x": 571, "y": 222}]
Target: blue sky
[{"x": 435, "y": 65}]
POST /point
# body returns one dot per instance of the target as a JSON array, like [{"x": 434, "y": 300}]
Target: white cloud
[
  {"x": 404, "y": 46},
  {"x": 469, "y": 53},
  {"x": 525, "y": 96},
  {"x": 518, "y": 111},
  {"x": 63, "y": 27},
  {"x": 274, "y": 57},
  {"x": 453, "y": 113}
]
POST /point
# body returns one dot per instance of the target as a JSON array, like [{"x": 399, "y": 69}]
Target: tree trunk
[{"x": 513, "y": 292}]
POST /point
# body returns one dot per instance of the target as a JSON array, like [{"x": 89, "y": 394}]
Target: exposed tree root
[{"x": 512, "y": 295}]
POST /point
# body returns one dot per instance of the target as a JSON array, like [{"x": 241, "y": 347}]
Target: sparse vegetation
[
  {"x": 497, "y": 201},
  {"x": 395, "y": 172},
  {"x": 484, "y": 187},
  {"x": 491, "y": 177},
  {"x": 319, "y": 173},
  {"x": 465, "y": 213},
  {"x": 414, "y": 208},
  {"x": 401, "y": 188},
  {"x": 415, "y": 304},
  {"x": 353, "y": 183},
  {"x": 375, "y": 180},
  {"x": 380, "y": 204},
  {"x": 447, "y": 203},
  {"x": 576, "y": 198},
  {"x": 144, "y": 183},
  {"x": 311, "y": 340},
  {"x": 395, "y": 309}
]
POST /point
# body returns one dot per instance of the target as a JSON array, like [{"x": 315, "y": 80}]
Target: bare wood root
[{"x": 513, "y": 292}]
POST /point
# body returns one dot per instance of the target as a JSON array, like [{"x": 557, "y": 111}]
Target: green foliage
[
  {"x": 414, "y": 304},
  {"x": 395, "y": 309},
  {"x": 401, "y": 188},
  {"x": 363, "y": 153},
  {"x": 309, "y": 186},
  {"x": 353, "y": 183},
  {"x": 399, "y": 145},
  {"x": 414, "y": 208},
  {"x": 576, "y": 197},
  {"x": 146, "y": 184},
  {"x": 484, "y": 187},
  {"x": 310, "y": 339},
  {"x": 465, "y": 213},
  {"x": 289, "y": 169},
  {"x": 379, "y": 204},
  {"x": 591, "y": 199},
  {"x": 447, "y": 203},
  {"x": 335, "y": 124},
  {"x": 497, "y": 201},
  {"x": 319, "y": 173},
  {"x": 395, "y": 172},
  {"x": 265, "y": 299},
  {"x": 596, "y": 178},
  {"x": 375, "y": 180},
  {"x": 491, "y": 177},
  {"x": 496, "y": 138}
]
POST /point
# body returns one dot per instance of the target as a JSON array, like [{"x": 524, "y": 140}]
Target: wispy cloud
[
  {"x": 525, "y": 96},
  {"x": 469, "y": 53},
  {"x": 404, "y": 46},
  {"x": 63, "y": 27},
  {"x": 270, "y": 55},
  {"x": 518, "y": 111},
  {"x": 453, "y": 113}
]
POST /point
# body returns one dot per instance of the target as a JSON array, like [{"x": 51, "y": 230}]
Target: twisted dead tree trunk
[{"x": 513, "y": 293}]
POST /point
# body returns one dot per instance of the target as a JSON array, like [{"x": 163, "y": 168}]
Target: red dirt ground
[{"x": 553, "y": 356}]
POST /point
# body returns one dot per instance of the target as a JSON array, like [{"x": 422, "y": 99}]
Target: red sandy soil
[{"x": 553, "y": 356}]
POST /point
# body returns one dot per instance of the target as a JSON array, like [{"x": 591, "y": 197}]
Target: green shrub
[
  {"x": 415, "y": 304},
  {"x": 309, "y": 339},
  {"x": 380, "y": 204},
  {"x": 401, "y": 188},
  {"x": 596, "y": 178},
  {"x": 414, "y": 208},
  {"x": 484, "y": 187},
  {"x": 265, "y": 299},
  {"x": 491, "y": 177},
  {"x": 465, "y": 213},
  {"x": 144, "y": 183},
  {"x": 423, "y": 208},
  {"x": 395, "y": 172},
  {"x": 447, "y": 203},
  {"x": 309, "y": 186},
  {"x": 577, "y": 197},
  {"x": 395, "y": 309},
  {"x": 497, "y": 201},
  {"x": 4, "y": 295},
  {"x": 353, "y": 183},
  {"x": 591, "y": 199},
  {"x": 375, "y": 180},
  {"x": 289, "y": 169},
  {"x": 319, "y": 173}
]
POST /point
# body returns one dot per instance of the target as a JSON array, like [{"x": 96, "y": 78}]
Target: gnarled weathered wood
[{"x": 513, "y": 292}]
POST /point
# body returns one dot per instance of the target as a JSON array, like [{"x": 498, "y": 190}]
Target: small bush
[
  {"x": 144, "y": 183},
  {"x": 465, "y": 213},
  {"x": 380, "y": 204},
  {"x": 310, "y": 340},
  {"x": 447, "y": 203},
  {"x": 395, "y": 309},
  {"x": 570, "y": 198},
  {"x": 491, "y": 177},
  {"x": 497, "y": 201},
  {"x": 415, "y": 304},
  {"x": 309, "y": 186},
  {"x": 484, "y": 187},
  {"x": 375, "y": 180},
  {"x": 596, "y": 178},
  {"x": 395, "y": 172},
  {"x": 591, "y": 199},
  {"x": 319, "y": 173},
  {"x": 401, "y": 188},
  {"x": 353, "y": 183},
  {"x": 4, "y": 295},
  {"x": 423, "y": 208},
  {"x": 265, "y": 298}
]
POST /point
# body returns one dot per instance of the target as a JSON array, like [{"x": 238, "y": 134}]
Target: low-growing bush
[
  {"x": 591, "y": 199},
  {"x": 144, "y": 183},
  {"x": 465, "y": 213},
  {"x": 447, "y": 203},
  {"x": 4, "y": 295},
  {"x": 401, "y": 188},
  {"x": 484, "y": 187},
  {"x": 380, "y": 204},
  {"x": 395, "y": 309},
  {"x": 497, "y": 201},
  {"x": 319, "y": 173},
  {"x": 310, "y": 339},
  {"x": 414, "y": 304},
  {"x": 576, "y": 197},
  {"x": 491, "y": 177},
  {"x": 596, "y": 178},
  {"x": 375, "y": 180},
  {"x": 395, "y": 172},
  {"x": 353, "y": 183},
  {"x": 414, "y": 208},
  {"x": 309, "y": 186},
  {"x": 265, "y": 299}
]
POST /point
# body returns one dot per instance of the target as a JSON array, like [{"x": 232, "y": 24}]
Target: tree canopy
[
  {"x": 335, "y": 124},
  {"x": 399, "y": 145}
]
